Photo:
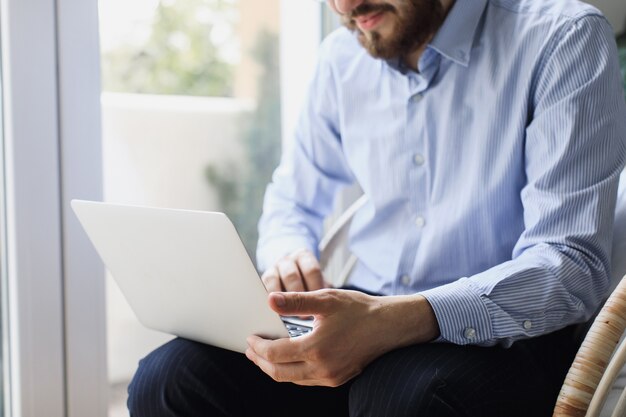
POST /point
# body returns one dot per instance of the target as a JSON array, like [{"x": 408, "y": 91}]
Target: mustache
[{"x": 367, "y": 8}]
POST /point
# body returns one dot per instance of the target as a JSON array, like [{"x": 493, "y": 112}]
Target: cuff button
[{"x": 469, "y": 333}]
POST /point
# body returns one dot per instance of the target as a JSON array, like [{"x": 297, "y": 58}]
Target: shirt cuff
[
  {"x": 461, "y": 313},
  {"x": 271, "y": 251}
]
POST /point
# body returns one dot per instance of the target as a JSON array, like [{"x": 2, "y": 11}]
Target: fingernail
[{"x": 279, "y": 299}]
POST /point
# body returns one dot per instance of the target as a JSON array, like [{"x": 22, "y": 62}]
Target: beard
[{"x": 416, "y": 21}]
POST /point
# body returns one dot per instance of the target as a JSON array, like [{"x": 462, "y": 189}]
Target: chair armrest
[
  {"x": 336, "y": 238},
  {"x": 595, "y": 367}
]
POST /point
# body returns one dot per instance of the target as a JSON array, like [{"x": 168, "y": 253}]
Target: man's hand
[
  {"x": 299, "y": 271},
  {"x": 350, "y": 330}
]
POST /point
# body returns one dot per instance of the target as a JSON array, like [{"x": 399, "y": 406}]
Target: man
[{"x": 488, "y": 137}]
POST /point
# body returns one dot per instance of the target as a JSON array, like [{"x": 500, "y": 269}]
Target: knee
[
  {"x": 155, "y": 388},
  {"x": 369, "y": 397},
  {"x": 390, "y": 387}
]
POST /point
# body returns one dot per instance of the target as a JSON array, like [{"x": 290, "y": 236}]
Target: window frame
[
  {"x": 31, "y": 232},
  {"x": 53, "y": 281}
]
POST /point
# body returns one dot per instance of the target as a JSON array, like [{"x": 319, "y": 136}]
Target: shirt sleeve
[
  {"x": 310, "y": 173},
  {"x": 574, "y": 152}
]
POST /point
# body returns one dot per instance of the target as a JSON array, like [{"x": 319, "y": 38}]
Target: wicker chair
[{"x": 598, "y": 363}]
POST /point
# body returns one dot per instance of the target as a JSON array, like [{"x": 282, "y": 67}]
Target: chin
[
  {"x": 380, "y": 42},
  {"x": 377, "y": 46}
]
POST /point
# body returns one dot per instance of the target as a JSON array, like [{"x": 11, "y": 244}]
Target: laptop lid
[{"x": 183, "y": 272}]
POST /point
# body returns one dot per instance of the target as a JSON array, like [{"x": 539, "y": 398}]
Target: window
[{"x": 192, "y": 115}]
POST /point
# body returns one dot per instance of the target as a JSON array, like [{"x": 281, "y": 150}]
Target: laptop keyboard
[
  {"x": 295, "y": 330},
  {"x": 297, "y": 327}
]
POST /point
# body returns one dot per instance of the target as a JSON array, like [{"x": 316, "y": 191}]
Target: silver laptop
[{"x": 185, "y": 273}]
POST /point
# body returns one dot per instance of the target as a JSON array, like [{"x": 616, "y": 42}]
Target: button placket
[{"x": 414, "y": 162}]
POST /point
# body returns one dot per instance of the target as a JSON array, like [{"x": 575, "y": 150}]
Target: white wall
[{"x": 155, "y": 148}]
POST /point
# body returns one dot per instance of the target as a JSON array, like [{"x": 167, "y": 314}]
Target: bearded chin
[
  {"x": 373, "y": 44},
  {"x": 380, "y": 48},
  {"x": 415, "y": 23}
]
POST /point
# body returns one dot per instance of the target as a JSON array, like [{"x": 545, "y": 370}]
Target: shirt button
[
  {"x": 469, "y": 333},
  {"x": 418, "y": 159},
  {"x": 406, "y": 280},
  {"x": 527, "y": 324},
  {"x": 420, "y": 221},
  {"x": 417, "y": 98}
]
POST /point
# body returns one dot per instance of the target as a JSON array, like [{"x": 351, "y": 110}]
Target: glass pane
[{"x": 191, "y": 119}]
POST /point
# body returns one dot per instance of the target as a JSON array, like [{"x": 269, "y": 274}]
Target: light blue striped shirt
[{"x": 491, "y": 174}]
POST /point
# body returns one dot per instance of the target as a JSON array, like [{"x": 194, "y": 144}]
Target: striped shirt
[{"x": 491, "y": 174}]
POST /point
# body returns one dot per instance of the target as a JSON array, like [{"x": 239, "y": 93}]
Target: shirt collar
[{"x": 455, "y": 37}]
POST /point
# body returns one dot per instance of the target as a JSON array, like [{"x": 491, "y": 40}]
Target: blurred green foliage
[
  {"x": 179, "y": 56},
  {"x": 241, "y": 189}
]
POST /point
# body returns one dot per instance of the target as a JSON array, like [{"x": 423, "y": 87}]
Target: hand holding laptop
[{"x": 350, "y": 330}]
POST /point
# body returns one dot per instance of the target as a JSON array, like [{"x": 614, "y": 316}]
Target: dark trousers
[{"x": 189, "y": 379}]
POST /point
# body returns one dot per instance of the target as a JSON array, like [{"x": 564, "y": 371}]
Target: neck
[{"x": 413, "y": 58}]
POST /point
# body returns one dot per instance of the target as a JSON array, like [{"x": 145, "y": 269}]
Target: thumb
[{"x": 300, "y": 303}]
